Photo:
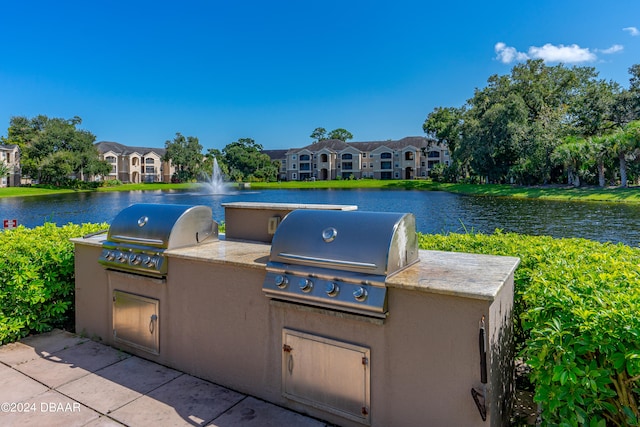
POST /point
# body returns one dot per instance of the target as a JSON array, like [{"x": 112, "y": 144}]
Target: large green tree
[
  {"x": 341, "y": 134},
  {"x": 246, "y": 161},
  {"x": 54, "y": 149},
  {"x": 510, "y": 130},
  {"x": 185, "y": 154},
  {"x": 319, "y": 134}
]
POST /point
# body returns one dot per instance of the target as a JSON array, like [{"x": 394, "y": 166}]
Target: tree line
[
  {"x": 543, "y": 124},
  {"x": 54, "y": 151}
]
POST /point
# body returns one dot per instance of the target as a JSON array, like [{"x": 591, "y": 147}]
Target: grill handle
[
  {"x": 131, "y": 239},
  {"x": 327, "y": 261}
]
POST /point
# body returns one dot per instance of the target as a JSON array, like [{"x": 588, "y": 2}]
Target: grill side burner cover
[{"x": 139, "y": 235}]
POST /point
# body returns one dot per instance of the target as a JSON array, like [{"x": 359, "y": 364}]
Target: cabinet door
[
  {"x": 327, "y": 374},
  {"x": 136, "y": 321}
]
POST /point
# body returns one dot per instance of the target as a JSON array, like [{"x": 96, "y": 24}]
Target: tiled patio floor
[{"x": 61, "y": 379}]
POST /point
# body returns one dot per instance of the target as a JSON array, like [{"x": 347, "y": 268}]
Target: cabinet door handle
[
  {"x": 152, "y": 323},
  {"x": 290, "y": 363}
]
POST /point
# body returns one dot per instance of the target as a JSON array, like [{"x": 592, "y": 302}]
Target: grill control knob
[
  {"x": 360, "y": 294},
  {"x": 152, "y": 262},
  {"x": 109, "y": 255},
  {"x": 134, "y": 259},
  {"x": 122, "y": 257},
  {"x": 332, "y": 289},
  {"x": 281, "y": 281},
  {"x": 306, "y": 285}
]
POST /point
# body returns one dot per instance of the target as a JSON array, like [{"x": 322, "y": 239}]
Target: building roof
[
  {"x": 329, "y": 144},
  {"x": 116, "y": 147},
  {"x": 8, "y": 147},
  {"x": 276, "y": 154},
  {"x": 337, "y": 145}
]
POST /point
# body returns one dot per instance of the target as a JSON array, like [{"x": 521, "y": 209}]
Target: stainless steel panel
[
  {"x": 329, "y": 291},
  {"x": 136, "y": 321},
  {"x": 380, "y": 243},
  {"x": 163, "y": 226},
  {"x": 327, "y": 374}
]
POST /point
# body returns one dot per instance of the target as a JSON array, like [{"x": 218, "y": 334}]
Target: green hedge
[
  {"x": 577, "y": 305},
  {"x": 37, "y": 278}
]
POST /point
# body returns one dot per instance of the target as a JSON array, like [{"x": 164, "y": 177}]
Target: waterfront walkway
[{"x": 61, "y": 379}]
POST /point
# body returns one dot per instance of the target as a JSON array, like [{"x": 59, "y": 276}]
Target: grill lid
[
  {"x": 162, "y": 226},
  {"x": 140, "y": 234},
  {"x": 376, "y": 243}
]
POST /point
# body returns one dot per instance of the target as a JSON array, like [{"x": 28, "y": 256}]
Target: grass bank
[
  {"x": 587, "y": 194},
  {"x": 595, "y": 194}
]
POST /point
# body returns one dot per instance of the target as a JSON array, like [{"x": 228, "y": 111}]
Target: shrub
[
  {"x": 37, "y": 278},
  {"x": 576, "y": 305}
]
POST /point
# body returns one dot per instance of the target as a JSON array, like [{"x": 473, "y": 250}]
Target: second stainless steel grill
[{"x": 338, "y": 259}]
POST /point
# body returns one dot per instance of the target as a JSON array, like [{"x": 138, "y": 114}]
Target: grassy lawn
[
  {"x": 595, "y": 194},
  {"x": 613, "y": 194}
]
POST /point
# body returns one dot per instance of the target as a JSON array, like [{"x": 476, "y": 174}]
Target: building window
[
  {"x": 305, "y": 166},
  {"x": 150, "y": 169},
  {"x": 347, "y": 156},
  {"x": 324, "y": 158},
  {"x": 347, "y": 165},
  {"x": 370, "y": 165},
  {"x": 304, "y": 157},
  {"x": 110, "y": 159},
  {"x": 364, "y": 165},
  {"x": 294, "y": 176},
  {"x": 433, "y": 154},
  {"x": 385, "y": 165},
  {"x": 385, "y": 155},
  {"x": 149, "y": 160},
  {"x": 408, "y": 155}
]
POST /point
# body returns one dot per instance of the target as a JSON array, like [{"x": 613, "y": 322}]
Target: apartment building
[
  {"x": 407, "y": 158},
  {"x": 10, "y": 156},
  {"x": 135, "y": 164}
]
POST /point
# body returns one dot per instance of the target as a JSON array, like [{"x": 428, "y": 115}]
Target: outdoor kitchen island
[{"x": 442, "y": 356}]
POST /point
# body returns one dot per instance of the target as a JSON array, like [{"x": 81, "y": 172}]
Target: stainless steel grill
[
  {"x": 340, "y": 259},
  {"x": 140, "y": 234}
]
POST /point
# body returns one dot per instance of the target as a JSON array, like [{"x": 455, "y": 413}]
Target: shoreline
[{"x": 552, "y": 192}]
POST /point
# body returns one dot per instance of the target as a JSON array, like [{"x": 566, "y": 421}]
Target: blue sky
[{"x": 137, "y": 72}]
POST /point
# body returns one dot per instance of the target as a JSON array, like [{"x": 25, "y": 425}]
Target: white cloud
[
  {"x": 507, "y": 54},
  {"x": 549, "y": 53},
  {"x": 562, "y": 53},
  {"x": 632, "y": 30},
  {"x": 613, "y": 49}
]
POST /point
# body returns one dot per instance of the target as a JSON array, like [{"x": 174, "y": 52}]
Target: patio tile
[
  {"x": 116, "y": 385},
  {"x": 103, "y": 422},
  {"x": 71, "y": 364},
  {"x": 36, "y": 346},
  {"x": 185, "y": 401},
  {"x": 17, "y": 387},
  {"x": 49, "y": 409},
  {"x": 252, "y": 412}
]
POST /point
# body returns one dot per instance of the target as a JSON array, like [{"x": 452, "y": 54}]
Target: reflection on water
[{"x": 436, "y": 212}]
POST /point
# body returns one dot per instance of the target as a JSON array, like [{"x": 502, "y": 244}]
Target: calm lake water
[{"x": 436, "y": 212}]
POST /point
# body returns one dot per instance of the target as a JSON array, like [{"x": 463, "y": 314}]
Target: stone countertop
[
  {"x": 287, "y": 206},
  {"x": 456, "y": 274},
  {"x": 449, "y": 273}
]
